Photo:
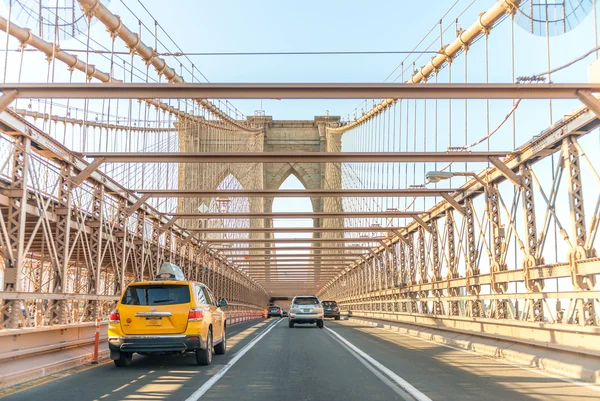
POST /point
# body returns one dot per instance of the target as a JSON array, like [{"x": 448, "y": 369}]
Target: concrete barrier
[
  {"x": 30, "y": 353},
  {"x": 567, "y": 364},
  {"x": 564, "y": 337}
]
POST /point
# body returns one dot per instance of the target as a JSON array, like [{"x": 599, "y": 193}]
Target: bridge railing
[
  {"x": 484, "y": 259},
  {"x": 73, "y": 238}
]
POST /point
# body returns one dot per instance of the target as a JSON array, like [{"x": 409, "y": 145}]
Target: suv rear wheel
[
  {"x": 337, "y": 317},
  {"x": 320, "y": 324},
  {"x": 222, "y": 346},
  {"x": 291, "y": 324},
  {"x": 124, "y": 359},
  {"x": 204, "y": 356}
]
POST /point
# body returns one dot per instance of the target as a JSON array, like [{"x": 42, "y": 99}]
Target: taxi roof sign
[{"x": 169, "y": 271}]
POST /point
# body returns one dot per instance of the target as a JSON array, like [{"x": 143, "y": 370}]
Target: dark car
[
  {"x": 274, "y": 311},
  {"x": 331, "y": 309}
]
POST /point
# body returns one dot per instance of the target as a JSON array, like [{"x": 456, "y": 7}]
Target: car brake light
[
  {"x": 114, "y": 317},
  {"x": 195, "y": 315}
]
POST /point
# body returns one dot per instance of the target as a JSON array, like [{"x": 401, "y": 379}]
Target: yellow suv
[{"x": 167, "y": 315}]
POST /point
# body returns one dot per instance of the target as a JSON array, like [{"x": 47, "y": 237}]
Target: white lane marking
[
  {"x": 399, "y": 381},
  {"x": 196, "y": 395},
  {"x": 405, "y": 396},
  {"x": 527, "y": 368}
]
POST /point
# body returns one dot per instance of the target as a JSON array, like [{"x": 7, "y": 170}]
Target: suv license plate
[
  {"x": 153, "y": 322},
  {"x": 305, "y": 310}
]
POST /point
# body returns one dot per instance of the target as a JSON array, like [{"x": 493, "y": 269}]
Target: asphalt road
[{"x": 266, "y": 360}]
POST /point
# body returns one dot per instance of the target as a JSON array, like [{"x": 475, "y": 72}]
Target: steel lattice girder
[
  {"x": 298, "y": 91},
  {"x": 293, "y": 193},
  {"x": 294, "y": 157},
  {"x": 296, "y": 229},
  {"x": 212, "y": 241},
  {"x": 293, "y": 248},
  {"x": 299, "y": 215}
]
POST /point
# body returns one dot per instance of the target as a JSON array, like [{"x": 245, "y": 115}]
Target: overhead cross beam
[
  {"x": 297, "y": 91},
  {"x": 302, "y": 257},
  {"x": 293, "y": 193},
  {"x": 211, "y": 241},
  {"x": 299, "y": 215},
  {"x": 293, "y": 157},
  {"x": 295, "y": 229},
  {"x": 294, "y": 248}
]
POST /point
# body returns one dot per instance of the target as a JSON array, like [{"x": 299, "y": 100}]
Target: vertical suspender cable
[
  {"x": 424, "y": 145},
  {"x": 512, "y": 60},
  {"x": 467, "y": 106},
  {"x": 595, "y": 27},
  {"x": 7, "y": 38}
]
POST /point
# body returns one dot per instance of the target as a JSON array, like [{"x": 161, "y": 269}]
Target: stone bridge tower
[{"x": 277, "y": 136}]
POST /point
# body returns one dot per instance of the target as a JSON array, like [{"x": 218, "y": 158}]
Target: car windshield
[
  {"x": 329, "y": 303},
  {"x": 306, "y": 301},
  {"x": 156, "y": 295},
  {"x": 274, "y": 308}
]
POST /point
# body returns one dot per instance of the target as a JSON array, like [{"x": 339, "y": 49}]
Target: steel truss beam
[
  {"x": 211, "y": 241},
  {"x": 296, "y": 229},
  {"x": 295, "y": 157},
  {"x": 299, "y": 215},
  {"x": 293, "y": 248},
  {"x": 293, "y": 193},
  {"x": 298, "y": 91},
  {"x": 424, "y": 248},
  {"x": 295, "y": 258},
  {"x": 52, "y": 230}
]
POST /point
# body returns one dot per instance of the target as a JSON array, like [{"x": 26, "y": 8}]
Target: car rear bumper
[
  {"x": 273, "y": 314},
  {"x": 332, "y": 314},
  {"x": 164, "y": 343},
  {"x": 306, "y": 318}
]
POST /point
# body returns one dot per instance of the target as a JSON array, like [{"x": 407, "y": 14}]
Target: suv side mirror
[{"x": 222, "y": 302}]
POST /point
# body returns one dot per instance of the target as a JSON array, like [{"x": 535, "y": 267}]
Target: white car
[{"x": 306, "y": 309}]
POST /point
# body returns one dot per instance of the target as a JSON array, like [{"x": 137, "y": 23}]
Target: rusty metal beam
[
  {"x": 137, "y": 204},
  {"x": 295, "y": 229},
  {"x": 590, "y": 101},
  {"x": 299, "y": 215},
  {"x": 507, "y": 172},
  {"x": 450, "y": 199},
  {"x": 294, "y": 248},
  {"x": 294, "y": 193},
  {"x": 87, "y": 172},
  {"x": 298, "y": 257},
  {"x": 282, "y": 265},
  {"x": 293, "y": 157},
  {"x": 297, "y": 91},
  {"x": 6, "y": 99},
  {"x": 303, "y": 257},
  {"x": 289, "y": 240}
]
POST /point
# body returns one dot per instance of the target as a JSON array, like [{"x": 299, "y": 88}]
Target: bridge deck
[{"x": 311, "y": 364}]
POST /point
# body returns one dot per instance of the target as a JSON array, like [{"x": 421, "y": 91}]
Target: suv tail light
[
  {"x": 114, "y": 317},
  {"x": 195, "y": 315}
]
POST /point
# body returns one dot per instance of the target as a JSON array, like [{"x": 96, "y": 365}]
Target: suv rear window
[
  {"x": 156, "y": 295},
  {"x": 274, "y": 308},
  {"x": 329, "y": 303},
  {"x": 306, "y": 301}
]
